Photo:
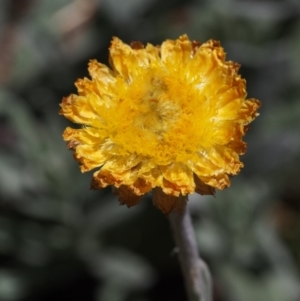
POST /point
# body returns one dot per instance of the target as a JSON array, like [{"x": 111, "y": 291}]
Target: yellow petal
[
  {"x": 179, "y": 179},
  {"x": 127, "y": 61},
  {"x": 177, "y": 52}
]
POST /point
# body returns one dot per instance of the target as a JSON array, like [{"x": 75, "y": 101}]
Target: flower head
[{"x": 166, "y": 118}]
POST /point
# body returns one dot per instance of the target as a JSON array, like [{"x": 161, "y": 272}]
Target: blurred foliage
[{"x": 61, "y": 241}]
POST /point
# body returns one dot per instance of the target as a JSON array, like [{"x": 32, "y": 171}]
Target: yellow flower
[{"x": 166, "y": 118}]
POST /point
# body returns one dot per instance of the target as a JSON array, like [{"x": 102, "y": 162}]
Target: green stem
[{"x": 195, "y": 272}]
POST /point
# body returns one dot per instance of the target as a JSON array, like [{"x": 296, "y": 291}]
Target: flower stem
[{"x": 195, "y": 272}]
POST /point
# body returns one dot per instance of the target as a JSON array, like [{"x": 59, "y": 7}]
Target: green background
[{"x": 61, "y": 241}]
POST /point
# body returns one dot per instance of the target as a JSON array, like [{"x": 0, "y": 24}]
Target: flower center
[
  {"x": 156, "y": 112},
  {"x": 156, "y": 118}
]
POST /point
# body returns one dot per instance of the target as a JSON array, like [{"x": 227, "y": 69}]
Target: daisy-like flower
[{"x": 166, "y": 118}]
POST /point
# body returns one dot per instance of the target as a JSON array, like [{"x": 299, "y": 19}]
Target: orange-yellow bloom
[{"x": 169, "y": 119}]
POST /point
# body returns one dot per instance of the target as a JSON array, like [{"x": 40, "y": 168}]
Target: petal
[
  {"x": 222, "y": 132},
  {"x": 177, "y": 52},
  {"x": 203, "y": 188},
  {"x": 91, "y": 156},
  {"x": 126, "y": 196},
  {"x": 207, "y": 61},
  {"x": 220, "y": 181},
  {"x": 178, "y": 179},
  {"x": 117, "y": 171},
  {"x": 238, "y": 146},
  {"x": 97, "y": 95},
  {"x": 212, "y": 168},
  {"x": 226, "y": 159},
  {"x": 68, "y": 109},
  {"x": 86, "y": 135},
  {"x": 127, "y": 61},
  {"x": 203, "y": 166},
  {"x": 140, "y": 187},
  {"x": 152, "y": 175},
  {"x": 101, "y": 72},
  {"x": 105, "y": 84},
  {"x": 103, "y": 178},
  {"x": 79, "y": 110},
  {"x": 229, "y": 105},
  {"x": 249, "y": 110}
]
